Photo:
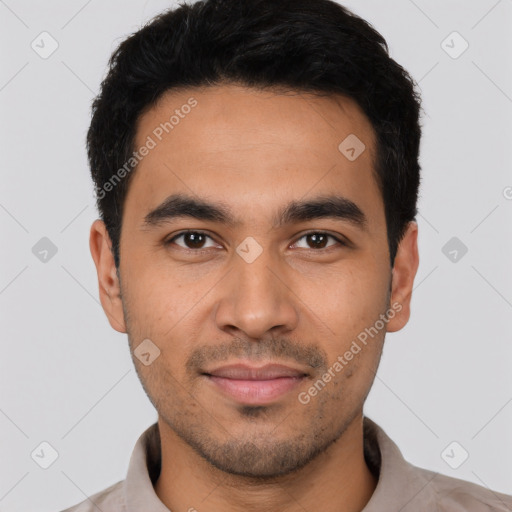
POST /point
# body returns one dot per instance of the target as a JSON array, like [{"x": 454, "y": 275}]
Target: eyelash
[{"x": 200, "y": 251}]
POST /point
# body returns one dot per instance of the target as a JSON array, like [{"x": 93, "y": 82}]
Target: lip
[{"x": 253, "y": 385}]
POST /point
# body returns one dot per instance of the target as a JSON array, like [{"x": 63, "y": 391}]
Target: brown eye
[
  {"x": 319, "y": 240},
  {"x": 191, "y": 240}
]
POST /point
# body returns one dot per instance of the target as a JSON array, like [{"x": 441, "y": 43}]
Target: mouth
[{"x": 251, "y": 385}]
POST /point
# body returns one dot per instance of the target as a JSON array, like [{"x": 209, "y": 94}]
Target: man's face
[{"x": 227, "y": 300}]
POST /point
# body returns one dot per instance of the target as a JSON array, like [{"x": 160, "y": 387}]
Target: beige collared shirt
[{"x": 401, "y": 486}]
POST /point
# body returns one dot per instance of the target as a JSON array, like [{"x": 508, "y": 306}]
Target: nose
[{"x": 257, "y": 299}]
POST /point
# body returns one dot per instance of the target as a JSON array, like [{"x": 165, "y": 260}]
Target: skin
[{"x": 296, "y": 303}]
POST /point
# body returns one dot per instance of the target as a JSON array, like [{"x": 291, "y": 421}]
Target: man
[{"x": 256, "y": 168}]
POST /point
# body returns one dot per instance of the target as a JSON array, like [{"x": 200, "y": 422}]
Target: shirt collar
[
  {"x": 401, "y": 486},
  {"x": 143, "y": 472}
]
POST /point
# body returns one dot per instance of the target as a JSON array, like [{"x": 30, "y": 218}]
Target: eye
[
  {"x": 192, "y": 240},
  {"x": 319, "y": 240},
  {"x": 196, "y": 240}
]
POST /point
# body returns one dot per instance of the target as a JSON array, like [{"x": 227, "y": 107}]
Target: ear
[
  {"x": 404, "y": 271},
  {"x": 108, "y": 281}
]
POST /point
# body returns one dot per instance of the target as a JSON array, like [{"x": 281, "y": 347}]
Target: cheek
[
  {"x": 158, "y": 298},
  {"x": 352, "y": 305},
  {"x": 348, "y": 300},
  {"x": 350, "y": 374},
  {"x": 163, "y": 310}
]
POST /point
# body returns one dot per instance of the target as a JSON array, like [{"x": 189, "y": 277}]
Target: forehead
[{"x": 254, "y": 149}]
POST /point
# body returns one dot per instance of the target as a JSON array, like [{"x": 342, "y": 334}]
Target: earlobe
[
  {"x": 108, "y": 281},
  {"x": 404, "y": 271}
]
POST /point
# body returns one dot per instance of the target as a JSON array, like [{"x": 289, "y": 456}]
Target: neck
[{"x": 337, "y": 480}]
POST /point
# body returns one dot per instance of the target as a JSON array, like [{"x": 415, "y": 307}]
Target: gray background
[{"x": 67, "y": 377}]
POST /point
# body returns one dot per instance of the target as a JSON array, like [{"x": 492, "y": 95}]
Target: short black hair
[{"x": 311, "y": 46}]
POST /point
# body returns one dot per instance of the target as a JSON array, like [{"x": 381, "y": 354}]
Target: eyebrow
[{"x": 323, "y": 207}]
